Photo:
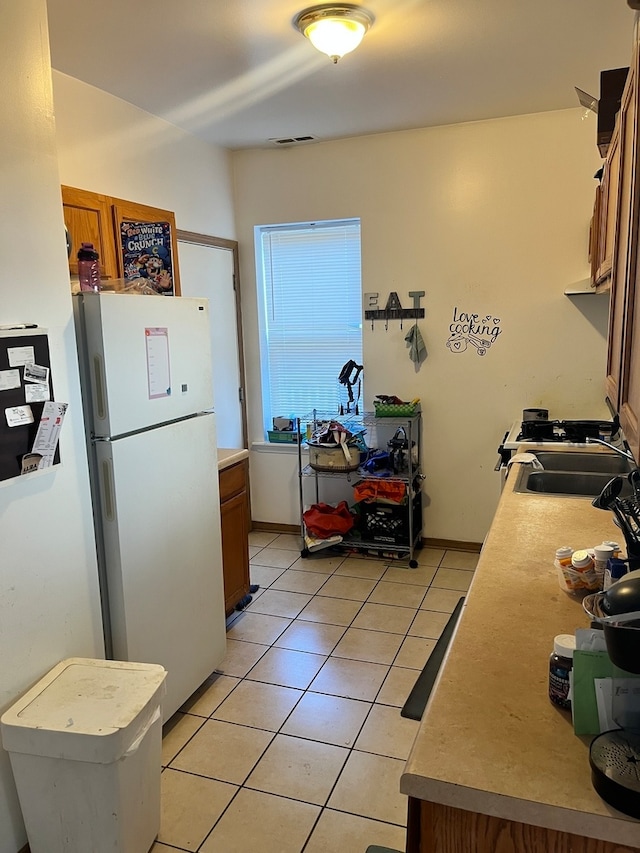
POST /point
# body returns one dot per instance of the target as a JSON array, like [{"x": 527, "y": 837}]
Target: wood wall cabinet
[
  {"x": 95, "y": 218},
  {"x": 595, "y": 244},
  {"x": 234, "y": 516},
  {"x": 89, "y": 219},
  {"x": 124, "y": 211},
  {"x": 606, "y": 225},
  {"x": 623, "y": 271}
]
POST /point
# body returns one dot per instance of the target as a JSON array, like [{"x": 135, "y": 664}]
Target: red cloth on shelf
[
  {"x": 375, "y": 490},
  {"x": 323, "y": 520}
]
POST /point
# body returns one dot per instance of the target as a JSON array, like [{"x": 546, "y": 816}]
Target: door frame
[{"x": 231, "y": 246}]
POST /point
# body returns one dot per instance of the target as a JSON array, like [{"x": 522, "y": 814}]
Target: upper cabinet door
[
  {"x": 130, "y": 212},
  {"x": 89, "y": 219},
  {"x": 609, "y": 210},
  {"x": 625, "y": 240},
  {"x": 629, "y": 387}
]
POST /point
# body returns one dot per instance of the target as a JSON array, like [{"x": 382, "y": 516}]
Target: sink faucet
[{"x": 626, "y": 454}]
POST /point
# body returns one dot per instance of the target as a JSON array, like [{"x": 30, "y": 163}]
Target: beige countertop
[
  {"x": 490, "y": 740},
  {"x": 229, "y": 456}
]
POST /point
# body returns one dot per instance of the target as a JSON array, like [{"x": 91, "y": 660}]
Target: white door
[
  {"x": 208, "y": 271},
  {"x": 160, "y": 511}
]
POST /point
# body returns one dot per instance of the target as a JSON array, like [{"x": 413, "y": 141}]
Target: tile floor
[{"x": 296, "y": 744}]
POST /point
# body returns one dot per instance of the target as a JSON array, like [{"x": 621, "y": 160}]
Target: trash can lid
[{"x": 85, "y": 710}]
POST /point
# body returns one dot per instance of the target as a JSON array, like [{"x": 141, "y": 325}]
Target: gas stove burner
[
  {"x": 575, "y": 431},
  {"x": 539, "y": 430},
  {"x": 579, "y": 431}
]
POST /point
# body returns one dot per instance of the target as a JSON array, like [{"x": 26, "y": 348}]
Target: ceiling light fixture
[{"x": 334, "y": 29}]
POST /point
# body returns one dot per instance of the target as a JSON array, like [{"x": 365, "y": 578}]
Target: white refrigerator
[{"x": 145, "y": 364}]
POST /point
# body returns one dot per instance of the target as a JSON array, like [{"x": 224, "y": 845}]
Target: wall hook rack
[{"x": 393, "y": 310}]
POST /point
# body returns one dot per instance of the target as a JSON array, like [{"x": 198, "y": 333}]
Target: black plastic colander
[{"x": 615, "y": 769}]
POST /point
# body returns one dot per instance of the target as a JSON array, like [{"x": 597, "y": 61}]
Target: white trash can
[{"x": 85, "y": 747}]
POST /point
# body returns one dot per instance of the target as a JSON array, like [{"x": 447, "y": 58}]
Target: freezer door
[
  {"x": 148, "y": 359},
  {"x": 160, "y": 510}
]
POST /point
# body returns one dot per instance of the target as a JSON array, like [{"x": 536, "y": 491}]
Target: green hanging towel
[{"x": 417, "y": 348}]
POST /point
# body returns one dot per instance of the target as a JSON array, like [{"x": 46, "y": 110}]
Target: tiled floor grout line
[{"x": 236, "y": 619}]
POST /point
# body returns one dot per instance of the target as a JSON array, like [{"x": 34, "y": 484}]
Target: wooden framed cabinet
[
  {"x": 95, "y": 218},
  {"x": 89, "y": 219},
  {"x": 606, "y": 214},
  {"x": 234, "y": 517},
  {"x": 625, "y": 240}
]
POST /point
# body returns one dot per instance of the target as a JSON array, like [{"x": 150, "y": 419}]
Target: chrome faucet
[{"x": 626, "y": 454}]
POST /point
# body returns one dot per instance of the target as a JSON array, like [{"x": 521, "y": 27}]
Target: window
[{"x": 311, "y": 314}]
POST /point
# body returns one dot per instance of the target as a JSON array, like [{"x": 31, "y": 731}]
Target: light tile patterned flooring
[{"x": 297, "y": 743}]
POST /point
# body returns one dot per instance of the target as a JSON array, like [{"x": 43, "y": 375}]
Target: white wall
[
  {"x": 109, "y": 146},
  {"x": 491, "y": 218},
  {"x": 49, "y": 603},
  {"x": 49, "y": 600}
]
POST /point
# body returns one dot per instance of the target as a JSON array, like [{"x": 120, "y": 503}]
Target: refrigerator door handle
[
  {"x": 107, "y": 490},
  {"x": 99, "y": 383}
]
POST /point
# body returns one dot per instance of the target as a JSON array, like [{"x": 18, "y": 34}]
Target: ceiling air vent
[{"x": 293, "y": 140}]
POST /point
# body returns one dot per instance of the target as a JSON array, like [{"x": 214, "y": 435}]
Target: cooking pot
[
  {"x": 535, "y": 414},
  {"x": 331, "y": 457}
]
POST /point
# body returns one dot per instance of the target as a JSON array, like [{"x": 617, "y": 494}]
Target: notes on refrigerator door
[{"x": 158, "y": 366}]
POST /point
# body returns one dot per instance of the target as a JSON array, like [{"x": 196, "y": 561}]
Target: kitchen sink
[
  {"x": 573, "y": 474},
  {"x": 598, "y": 463}
]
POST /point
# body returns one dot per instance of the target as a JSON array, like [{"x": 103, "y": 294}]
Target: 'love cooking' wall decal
[
  {"x": 466, "y": 328},
  {"x": 480, "y": 332}
]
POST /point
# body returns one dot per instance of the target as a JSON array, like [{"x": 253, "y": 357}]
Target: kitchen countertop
[
  {"x": 490, "y": 741},
  {"x": 229, "y": 456}
]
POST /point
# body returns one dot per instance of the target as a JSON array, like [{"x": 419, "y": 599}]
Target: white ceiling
[{"x": 237, "y": 73}]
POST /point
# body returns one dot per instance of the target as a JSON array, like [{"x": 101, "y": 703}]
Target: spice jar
[{"x": 560, "y": 665}]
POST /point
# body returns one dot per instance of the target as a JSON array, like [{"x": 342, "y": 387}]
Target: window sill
[{"x": 273, "y": 447}]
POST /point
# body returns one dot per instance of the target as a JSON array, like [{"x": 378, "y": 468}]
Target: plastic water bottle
[{"x": 88, "y": 267}]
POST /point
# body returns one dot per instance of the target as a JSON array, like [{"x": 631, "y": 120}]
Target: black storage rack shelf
[{"x": 385, "y": 530}]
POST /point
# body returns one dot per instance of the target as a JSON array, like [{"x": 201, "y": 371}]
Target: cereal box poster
[{"x": 146, "y": 252}]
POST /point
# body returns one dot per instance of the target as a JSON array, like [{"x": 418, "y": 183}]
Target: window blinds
[{"x": 312, "y": 314}]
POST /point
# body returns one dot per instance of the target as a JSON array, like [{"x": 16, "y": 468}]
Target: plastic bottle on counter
[
  {"x": 615, "y": 546},
  {"x": 615, "y": 570},
  {"x": 562, "y": 563},
  {"x": 88, "y": 267},
  {"x": 582, "y": 562},
  {"x": 601, "y": 555},
  {"x": 560, "y": 665}
]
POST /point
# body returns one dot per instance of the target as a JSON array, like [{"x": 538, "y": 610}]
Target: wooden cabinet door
[
  {"x": 594, "y": 237},
  {"x": 130, "y": 211},
  {"x": 629, "y": 388},
  {"x": 89, "y": 219},
  {"x": 609, "y": 210},
  {"x": 234, "y": 516},
  {"x": 624, "y": 257}
]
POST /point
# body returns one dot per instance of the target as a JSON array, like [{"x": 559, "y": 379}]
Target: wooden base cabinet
[
  {"x": 434, "y": 828},
  {"x": 234, "y": 516}
]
